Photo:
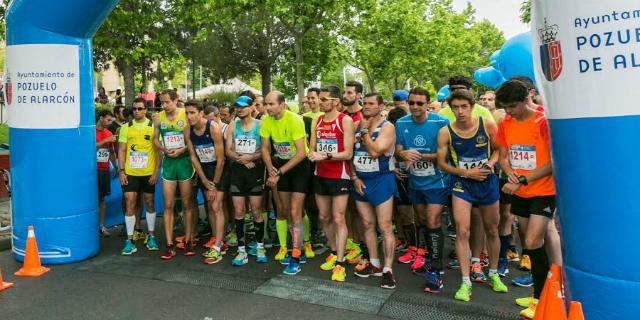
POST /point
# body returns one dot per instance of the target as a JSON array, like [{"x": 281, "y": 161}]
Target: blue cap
[
  {"x": 243, "y": 101},
  {"x": 400, "y": 95}
]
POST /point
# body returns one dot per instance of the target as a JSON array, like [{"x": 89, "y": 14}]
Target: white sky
[{"x": 504, "y": 14}]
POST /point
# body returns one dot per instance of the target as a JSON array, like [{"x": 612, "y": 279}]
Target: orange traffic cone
[
  {"x": 554, "y": 304},
  {"x": 31, "y": 266},
  {"x": 4, "y": 285},
  {"x": 554, "y": 275},
  {"x": 575, "y": 311}
]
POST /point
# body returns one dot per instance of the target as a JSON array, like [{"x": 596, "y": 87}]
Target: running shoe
[
  {"x": 388, "y": 281},
  {"x": 129, "y": 248},
  {"x": 240, "y": 260},
  {"x": 418, "y": 262},
  {"x": 252, "y": 251},
  {"x": 453, "y": 264},
  {"x": 210, "y": 243},
  {"x": 169, "y": 253},
  {"x": 401, "y": 246},
  {"x": 285, "y": 261},
  {"x": 524, "y": 281},
  {"x": 361, "y": 265},
  {"x": 530, "y": 311},
  {"x": 496, "y": 283},
  {"x": 408, "y": 256},
  {"x": 526, "y": 301},
  {"x": 368, "y": 271},
  {"x": 180, "y": 245},
  {"x": 434, "y": 282},
  {"x": 308, "y": 251},
  {"x": 476, "y": 274},
  {"x": 214, "y": 256},
  {"x": 484, "y": 259},
  {"x": 189, "y": 249},
  {"x": 453, "y": 255},
  {"x": 525, "y": 263},
  {"x": 513, "y": 256},
  {"x": 231, "y": 239},
  {"x": 104, "y": 232},
  {"x": 329, "y": 262},
  {"x": 180, "y": 239},
  {"x": 292, "y": 268},
  {"x": 281, "y": 254},
  {"x": 137, "y": 235},
  {"x": 302, "y": 259},
  {"x": 261, "y": 256},
  {"x": 338, "y": 273},
  {"x": 223, "y": 249},
  {"x": 152, "y": 245},
  {"x": 354, "y": 254},
  {"x": 503, "y": 267},
  {"x": 464, "y": 293}
]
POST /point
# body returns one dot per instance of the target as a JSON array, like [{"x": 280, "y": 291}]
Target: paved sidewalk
[{"x": 111, "y": 286}]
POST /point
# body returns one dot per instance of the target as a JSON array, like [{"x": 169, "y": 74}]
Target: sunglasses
[
  {"x": 418, "y": 103},
  {"x": 325, "y": 99},
  {"x": 138, "y": 109}
]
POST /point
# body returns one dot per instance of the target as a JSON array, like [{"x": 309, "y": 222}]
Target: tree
[
  {"x": 525, "y": 11},
  {"x": 133, "y": 36}
]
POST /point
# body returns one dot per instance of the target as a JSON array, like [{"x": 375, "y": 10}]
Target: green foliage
[
  {"x": 525, "y": 11},
  {"x": 223, "y": 97},
  {"x": 4, "y": 133}
]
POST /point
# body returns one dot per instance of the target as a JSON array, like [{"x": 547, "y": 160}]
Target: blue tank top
[
  {"x": 366, "y": 166},
  {"x": 472, "y": 152},
  {"x": 246, "y": 142},
  {"x": 204, "y": 146}
]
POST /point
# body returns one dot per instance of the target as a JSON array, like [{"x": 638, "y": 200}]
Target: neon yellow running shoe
[
  {"x": 281, "y": 254},
  {"x": 338, "y": 274},
  {"x": 329, "y": 262},
  {"x": 530, "y": 312},
  {"x": 496, "y": 283},
  {"x": 525, "y": 263},
  {"x": 464, "y": 293},
  {"x": 308, "y": 251},
  {"x": 353, "y": 254},
  {"x": 526, "y": 301}
]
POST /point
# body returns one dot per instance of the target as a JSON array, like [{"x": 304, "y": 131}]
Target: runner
[
  {"x": 140, "y": 173},
  {"x": 400, "y": 98},
  {"x": 429, "y": 188},
  {"x": 332, "y": 137},
  {"x": 467, "y": 142},
  {"x": 204, "y": 141},
  {"x": 523, "y": 141},
  {"x": 351, "y": 98},
  {"x": 374, "y": 186},
  {"x": 105, "y": 154},
  {"x": 247, "y": 178},
  {"x": 284, "y": 130},
  {"x": 177, "y": 171}
]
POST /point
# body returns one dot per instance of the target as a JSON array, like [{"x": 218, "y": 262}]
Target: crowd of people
[{"x": 366, "y": 182}]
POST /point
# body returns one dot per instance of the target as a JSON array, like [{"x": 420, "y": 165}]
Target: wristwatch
[
  {"x": 278, "y": 173},
  {"x": 523, "y": 180}
]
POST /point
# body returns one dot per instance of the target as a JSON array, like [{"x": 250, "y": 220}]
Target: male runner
[
  {"x": 351, "y": 97},
  {"x": 332, "y": 137},
  {"x": 204, "y": 141},
  {"x": 467, "y": 142},
  {"x": 105, "y": 154},
  {"x": 400, "y": 98},
  {"x": 523, "y": 142},
  {"x": 375, "y": 187},
  {"x": 429, "y": 187},
  {"x": 177, "y": 170},
  {"x": 247, "y": 178},
  {"x": 284, "y": 130},
  {"x": 141, "y": 160}
]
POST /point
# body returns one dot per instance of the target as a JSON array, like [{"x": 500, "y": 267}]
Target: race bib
[
  {"x": 365, "y": 163},
  {"x": 173, "y": 140},
  {"x": 245, "y": 145},
  {"x": 327, "y": 145},
  {"x": 284, "y": 150},
  {"x": 138, "y": 160},
  {"x": 522, "y": 157},
  {"x": 206, "y": 153},
  {"x": 103, "y": 155},
  {"x": 470, "y": 163},
  {"x": 423, "y": 169}
]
